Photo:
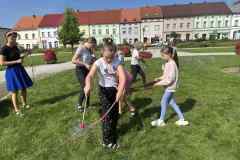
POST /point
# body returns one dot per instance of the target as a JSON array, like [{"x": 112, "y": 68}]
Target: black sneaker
[{"x": 80, "y": 108}]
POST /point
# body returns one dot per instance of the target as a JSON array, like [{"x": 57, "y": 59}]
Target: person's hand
[
  {"x": 156, "y": 79},
  {"x": 19, "y": 61}
]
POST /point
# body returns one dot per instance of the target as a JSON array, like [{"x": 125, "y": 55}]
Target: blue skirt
[{"x": 17, "y": 78}]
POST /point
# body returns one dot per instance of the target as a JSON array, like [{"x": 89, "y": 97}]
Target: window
[
  {"x": 236, "y": 23},
  {"x": 114, "y": 31},
  {"x": 55, "y": 34},
  {"x": 197, "y": 25},
  {"x": 156, "y": 27},
  {"x": 130, "y": 40},
  {"x": 33, "y": 36},
  {"x": 181, "y": 25},
  {"x": 212, "y": 24},
  {"x": 168, "y": 26},
  {"x": 130, "y": 30},
  {"x": 93, "y": 31},
  {"x": 56, "y": 44},
  {"x": 44, "y": 44},
  {"x": 26, "y": 36},
  {"x": 226, "y": 23},
  {"x": 19, "y": 36},
  {"x": 99, "y": 31},
  {"x": 135, "y": 30},
  {"x": 204, "y": 24},
  {"x": 174, "y": 26},
  {"x": 188, "y": 25},
  {"x": 219, "y": 23},
  {"x": 43, "y": 35},
  {"x": 49, "y": 35},
  {"x": 28, "y": 46},
  {"x": 107, "y": 31},
  {"x": 49, "y": 44}
]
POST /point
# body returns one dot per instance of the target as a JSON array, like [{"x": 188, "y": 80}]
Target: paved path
[{"x": 43, "y": 70}]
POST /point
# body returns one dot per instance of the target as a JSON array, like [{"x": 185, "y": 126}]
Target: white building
[
  {"x": 152, "y": 24},
  {"x": 48, "y": 30},
  {"x": 235, "y": 31},
  {"x": 130, "y": 27},
  {"x": 212, "y": 21},
  {"x": 28, "y": 34}
]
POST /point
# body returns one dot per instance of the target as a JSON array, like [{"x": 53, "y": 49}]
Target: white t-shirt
[
  {"x": 135, "y": 56},
  {"x": 107, "y": 73},
  {"x": 84, "y": 55}
]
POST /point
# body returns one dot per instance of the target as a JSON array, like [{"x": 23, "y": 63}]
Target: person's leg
[
  {"x": 15, "y": 100},
  {"x": 134, "y": 72},
  {"x": 24, "y": 97},
  {"x": 167, "y": 96},
  {"x": 81, "y": 79},
  {"x": 176, "y": 109},
  {"x": 142, "y": 74}
]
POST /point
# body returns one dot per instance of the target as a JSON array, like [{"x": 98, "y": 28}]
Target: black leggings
[
  {"x": 81, "y": 73},
  {"x": 109, "y": 123},
  {"x": 136, "y": 69}
]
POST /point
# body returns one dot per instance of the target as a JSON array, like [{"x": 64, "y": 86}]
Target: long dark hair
[{"x": 172, "y": 52}]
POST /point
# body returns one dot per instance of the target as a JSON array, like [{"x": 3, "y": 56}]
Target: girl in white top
[
  {"x": 112, "y": 81},
  {"x": 169, "y": 81}
]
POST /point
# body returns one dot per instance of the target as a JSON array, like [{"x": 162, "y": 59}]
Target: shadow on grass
[
  {"x": 55, "y": 99},
  {"x": 186, "y": 106},
  {"x": 5, "y": 108},
  {"x": 136, "y": 121}
]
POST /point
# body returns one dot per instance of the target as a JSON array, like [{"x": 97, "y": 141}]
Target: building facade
[
  {"x": 151, "y": 24},
  {"x": 3, "y": 31},
  {"x": 211, "y": 21},
  {"x": 105, "y": 24},
  {"x": 130, "y": 26},
  {"x": 28, "y": 34},
  {"x": 235, "y": 31},
  {"x": 48, "y": 30}
]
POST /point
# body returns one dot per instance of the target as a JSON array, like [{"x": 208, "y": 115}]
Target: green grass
[
  {"x": 38, "y": 60},
  {"x": 199, "y": 44},
  {"x": 208, "y": 97},
  {"x": 208, "y": 50}
]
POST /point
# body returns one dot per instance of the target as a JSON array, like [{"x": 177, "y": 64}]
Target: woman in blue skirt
[{"x": 16, "y": 76}]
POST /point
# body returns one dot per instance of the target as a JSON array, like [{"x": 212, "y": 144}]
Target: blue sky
[{"x": 12, "y": 10}]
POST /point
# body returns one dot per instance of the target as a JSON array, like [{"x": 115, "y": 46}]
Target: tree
[
  {"x": 69, "y": 32},
  {"x": 173, "y": 35}
]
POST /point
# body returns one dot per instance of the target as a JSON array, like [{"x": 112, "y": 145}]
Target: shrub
[{"x": 49, "y": 56}]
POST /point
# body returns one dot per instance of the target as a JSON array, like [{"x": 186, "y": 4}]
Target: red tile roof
[
  {"x": 83, "y": 18},
  {"x": 28, "y": 23},
  {"x": 52, "y": 20},
  {"x": 151, "y": 12},
  {"x": 130, "y": 15},
  {"x": 105, "y": 17},
  {"x": 195, "y": 9}
]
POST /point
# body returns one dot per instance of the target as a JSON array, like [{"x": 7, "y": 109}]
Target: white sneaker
[
  {"x": 182, "y": 122},
  {"x": 158, "y": 123}
]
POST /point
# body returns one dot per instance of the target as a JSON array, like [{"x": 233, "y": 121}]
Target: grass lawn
[
  {"x": 208, "y": 50},
  {"x": 208, "y": 97},
  {"x": 38, "y": 60}
]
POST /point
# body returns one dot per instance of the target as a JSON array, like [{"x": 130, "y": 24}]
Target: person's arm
[
  {"x": 168, "y": 77},
  {"x": 75, "y": 58},
  {"x": 88, "y": 80},
  {"x": 122, "y": 82},
  {"x": 8, "y": 63}
]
